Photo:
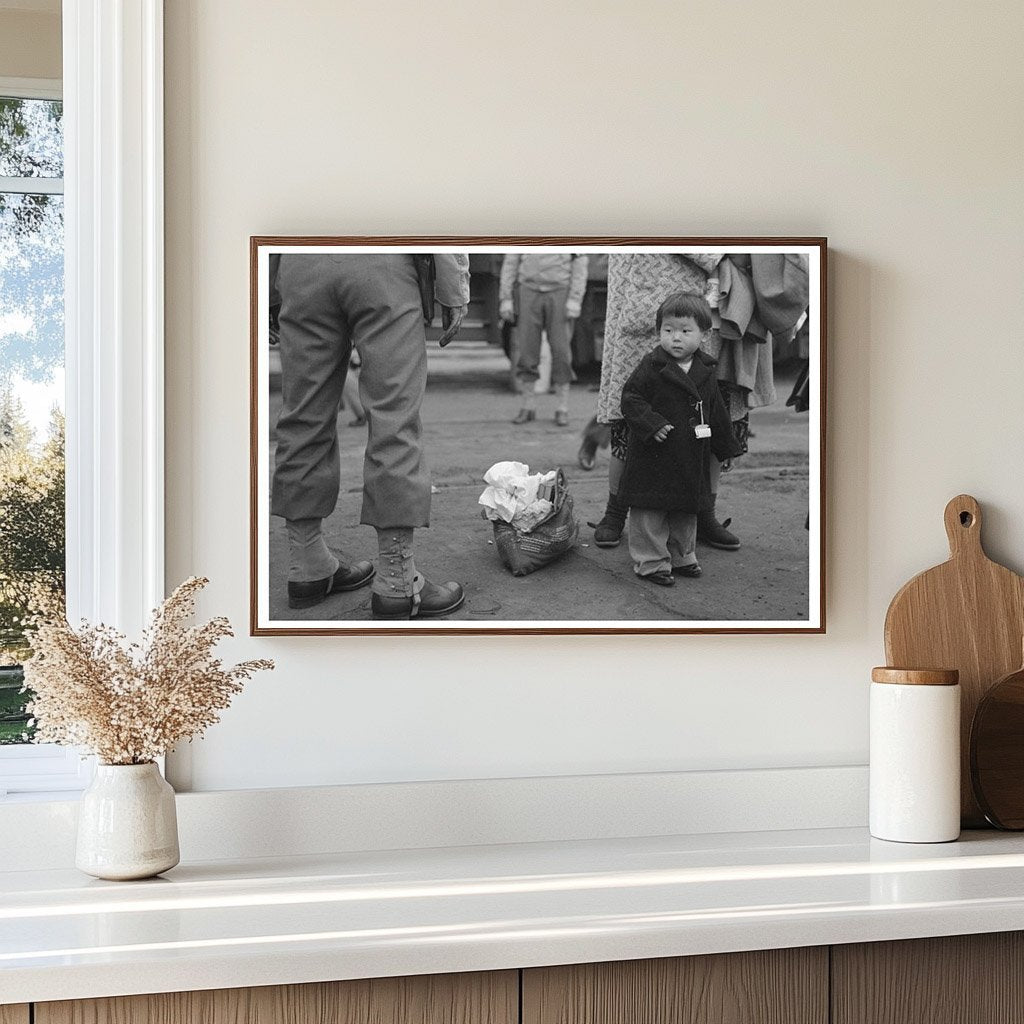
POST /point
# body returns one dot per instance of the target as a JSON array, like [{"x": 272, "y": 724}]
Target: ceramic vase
[{"x": 127, "y": 825}]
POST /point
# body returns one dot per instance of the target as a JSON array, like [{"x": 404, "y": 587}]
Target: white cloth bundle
[{"x": 511, "y": 495}]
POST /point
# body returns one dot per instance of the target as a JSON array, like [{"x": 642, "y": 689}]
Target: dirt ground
[{"x": 467, "y": 413}]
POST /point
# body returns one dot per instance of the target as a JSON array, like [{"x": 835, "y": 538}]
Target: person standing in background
[
  {"x": 549, "y": 288},
  {"x": 377, "y": 304}
]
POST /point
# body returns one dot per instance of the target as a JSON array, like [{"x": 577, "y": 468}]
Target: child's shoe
[
  {"x": 663, "y": 578},
  {"x": 692, "y": 571}
]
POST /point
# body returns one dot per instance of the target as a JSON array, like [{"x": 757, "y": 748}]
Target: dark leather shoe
[
  {"x": 561, "y": 418},
  {"x": 347, "y": 577},
  {"x": 525, "y": 416},
  {"x": 433, "y": 600},
  {"x": 608, "y": 532}
]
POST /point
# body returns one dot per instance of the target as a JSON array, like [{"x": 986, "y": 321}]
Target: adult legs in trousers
[
  {"x": 543, "y": 312},
  {"x": 328, "y": 304}
]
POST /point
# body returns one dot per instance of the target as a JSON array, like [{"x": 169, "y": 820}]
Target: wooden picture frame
[{"x": 778, "y": 494}]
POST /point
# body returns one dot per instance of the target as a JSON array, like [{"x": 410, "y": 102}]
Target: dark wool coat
[{"x": 675, "y": 473}]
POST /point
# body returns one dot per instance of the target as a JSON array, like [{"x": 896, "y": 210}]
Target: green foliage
[
  {"x": 31, "y": 523},
  {"x": 31, "y": 548},
  {"x": 14, "y": 727}
]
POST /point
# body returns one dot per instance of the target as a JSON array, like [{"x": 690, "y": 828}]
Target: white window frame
[
  {"x": 114, "y": 334},
  {"x": 36, "y": 768}
]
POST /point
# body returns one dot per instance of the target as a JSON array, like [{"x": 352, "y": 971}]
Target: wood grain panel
[
  {"x": 962, "y": 979},
  {"x": 967, "y": 614},
  {"x": 481, "y": 998},
  {"x": 14, "y": 1014},
  {"x": 778, "y": 986}
]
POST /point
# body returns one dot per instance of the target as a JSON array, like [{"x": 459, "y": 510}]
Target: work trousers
[
  {"x": 543, "y": 311},
  {"x": 330, "y": 303},
  {"x": 661, "y": 539}
]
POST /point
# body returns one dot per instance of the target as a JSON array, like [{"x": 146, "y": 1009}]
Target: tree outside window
[{"x": 32, "y": 541}]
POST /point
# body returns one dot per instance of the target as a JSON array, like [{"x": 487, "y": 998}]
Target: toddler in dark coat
[{"x": 677, "y": 421}]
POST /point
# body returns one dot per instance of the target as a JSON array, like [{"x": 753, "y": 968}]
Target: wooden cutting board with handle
[{"x": 967, "y": 614}]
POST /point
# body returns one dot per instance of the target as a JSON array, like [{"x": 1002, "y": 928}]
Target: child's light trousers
[{"x": 661, "y": 539}]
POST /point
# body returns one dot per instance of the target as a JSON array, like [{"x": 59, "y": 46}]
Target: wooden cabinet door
[
  {"x": 14, "y": 1014},
  {"x": 481, "y": 998},
  {"x": 960, "y": 979},
  {"x": 778, "y": 986}
]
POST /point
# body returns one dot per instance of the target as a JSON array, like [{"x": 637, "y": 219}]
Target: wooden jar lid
[{"x": 916, "y": 676}]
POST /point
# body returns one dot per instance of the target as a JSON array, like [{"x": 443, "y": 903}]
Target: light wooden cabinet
[
  {"x": 778, "y": 986},
  {"x": 962, "y": 979},
  {"x": 966, "y": 979},
  {"x": 481, "y": 998}
]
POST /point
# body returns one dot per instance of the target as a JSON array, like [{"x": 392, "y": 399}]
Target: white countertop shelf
[{"x": 225, "y": 924}]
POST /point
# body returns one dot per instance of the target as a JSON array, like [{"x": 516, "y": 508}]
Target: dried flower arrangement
[{"x": 129, "y": 704}]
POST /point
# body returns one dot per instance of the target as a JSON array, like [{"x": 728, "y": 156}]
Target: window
[
  {"x": 32, "y": 533},
  {"x": 31, "y": 379},
  {"x": 113, "y": 331}
]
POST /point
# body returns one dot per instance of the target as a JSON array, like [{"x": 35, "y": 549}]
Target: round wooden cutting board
[
  {"x": 967, "y": 614},
  {"x": 997, "y": 752}
]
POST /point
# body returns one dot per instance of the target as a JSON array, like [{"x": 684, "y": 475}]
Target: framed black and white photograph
[{"x": 537, "y": 435}]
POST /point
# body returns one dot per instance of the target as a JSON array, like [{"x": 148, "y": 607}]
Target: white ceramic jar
[
  {"x": 915, "y": 755},
  {"x": 127, "y": 823}
]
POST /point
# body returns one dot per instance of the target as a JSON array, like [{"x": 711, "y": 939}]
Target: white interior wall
[{"x": 894, "y": 129}]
